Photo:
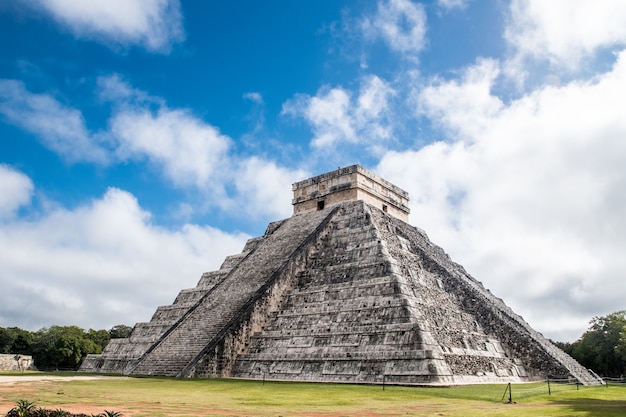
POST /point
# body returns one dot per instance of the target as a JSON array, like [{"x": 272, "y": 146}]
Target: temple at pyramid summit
[{"x": 345, "y": 290}]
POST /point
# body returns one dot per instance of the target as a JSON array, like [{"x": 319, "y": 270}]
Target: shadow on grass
[{"x": 594, "y": 407}]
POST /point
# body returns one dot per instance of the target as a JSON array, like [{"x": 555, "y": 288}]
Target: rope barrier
[
  {"x": 536, "y": 389},
  {"x": 548, "y": 387}
]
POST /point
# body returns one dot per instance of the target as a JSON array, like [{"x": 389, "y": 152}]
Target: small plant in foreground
[{"x": 23, "y": 408}]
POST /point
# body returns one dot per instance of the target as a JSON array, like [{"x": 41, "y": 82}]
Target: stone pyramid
[{"x": 345, "y": 290}]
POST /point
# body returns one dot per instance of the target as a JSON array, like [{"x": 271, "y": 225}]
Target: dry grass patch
[{"x": 217, "y": 397}]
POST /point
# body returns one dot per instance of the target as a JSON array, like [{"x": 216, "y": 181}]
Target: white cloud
[
  {"x": 153, "y": 24},
  {"x": 101, "y": 264},
  {"x": 265, "y": 188},
  {"x": 452, "y": 4},
  {"x": 327, "y": 112},
  {"x": 116, "y": 90},
  {"x": 528, "y": 195},
  {"x": 463, "y": 105},
  {"x": 60, "y": 128},
  {"x": 564, "y": 32},
  {"x": 16, "y": 190},
  {"x": 336, "y": 117},
  {"x": 400, "y": 23},
  {"x": 373, "y": 100},
  {"x": 254, "y": 97},
  {"x": 191, "y": 152}
]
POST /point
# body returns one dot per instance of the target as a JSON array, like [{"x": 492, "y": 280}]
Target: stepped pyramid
[{"x": 345, "y": 290}]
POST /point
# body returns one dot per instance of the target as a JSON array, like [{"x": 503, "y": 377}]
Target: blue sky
[{"x": 141, "y": 142}]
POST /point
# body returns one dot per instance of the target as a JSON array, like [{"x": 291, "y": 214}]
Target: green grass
[{"x": 172, "y": 397}]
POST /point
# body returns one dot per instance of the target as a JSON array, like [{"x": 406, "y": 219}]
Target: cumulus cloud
[
  {"x": 60, "y": 128},
  {"x": 401, "y": 24},
  {"x": 527, "y": 195},
  {"x": 565, "y": 32},
  {"x": 190, "y": 152},
  {"x": 327, "y": 112},
  {"x": 153, "y": 24},
  {"x": 113, "y": 88},
  {"x": 193, "y": 153},
  {"x": 462, "y": 105},
  {"x": 336, "y": 116},
  {"x": 16, "y": 190},
  {"x": 265, "y": 188},
  {"x": 101, "y": 264}
]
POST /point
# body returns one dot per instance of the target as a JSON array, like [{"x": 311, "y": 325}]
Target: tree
[
  {"x": 603, "y": 347},
  {"x": 120, "y": 331},
  {"x": 564, "y": 346},
  {"x": 63, "y": 347},
  {"x": 6, "y": 340},
  {"x": 621, "y": 346},
  {"x": 23, "y": 342},
  {"x": 16, "y": 340},
  {"x": 58, "y": 346},
  {"x": 99, "y": 337}
]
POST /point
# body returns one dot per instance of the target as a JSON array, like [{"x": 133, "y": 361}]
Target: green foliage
[
  {"x": 99, "y": 337},
  {"x": 603, "y": 347},
  {"x": 16, "y": 340},
  {"x": 564, "y": 346},
  {"x": 120, "y": 331},
  {"x": 58, "y": 347},
  {"x": 25, "y": 408},
  {"x": 63, "y": 347},
  {"x": 621, "y": 346}
]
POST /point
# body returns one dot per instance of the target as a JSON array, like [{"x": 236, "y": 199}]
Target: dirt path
[
  {"x": 18, "y": 383},
  {"x": 10, "y": 379}
]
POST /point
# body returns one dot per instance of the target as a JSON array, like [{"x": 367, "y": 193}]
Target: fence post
[{"x": 508, "y": 388}]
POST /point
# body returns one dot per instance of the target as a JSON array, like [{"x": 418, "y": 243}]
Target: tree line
[
  {"x": 601, "y": 348},
  {"x": 58, "y": 347}
]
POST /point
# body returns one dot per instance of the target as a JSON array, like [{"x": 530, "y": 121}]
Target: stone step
[{"x": 199, "y": 327}]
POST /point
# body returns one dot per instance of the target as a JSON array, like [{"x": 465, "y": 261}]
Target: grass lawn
[{"x": 215, "y": 397}]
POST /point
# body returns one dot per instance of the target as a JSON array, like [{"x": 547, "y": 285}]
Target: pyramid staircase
[{"x": 344, "y": 294}]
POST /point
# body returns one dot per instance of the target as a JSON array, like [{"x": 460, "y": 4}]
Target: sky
[{"x": 143, "y": 141}]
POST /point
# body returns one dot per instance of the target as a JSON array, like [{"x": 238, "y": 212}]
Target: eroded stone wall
[
  {"x": 485, "y": 324},
  {"x": 16, "y": 362},
  {"x": 350, "y": 184}
]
